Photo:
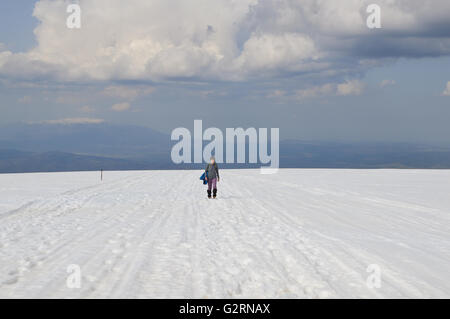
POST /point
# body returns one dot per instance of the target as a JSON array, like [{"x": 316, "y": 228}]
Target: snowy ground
[{"x": 297, "y": 234}]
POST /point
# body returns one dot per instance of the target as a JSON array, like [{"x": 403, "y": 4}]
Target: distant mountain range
[
  {"x": 12, "y": 161},
  {"x": 123, "y": 141},
  {"x": 78, "y": 147}
]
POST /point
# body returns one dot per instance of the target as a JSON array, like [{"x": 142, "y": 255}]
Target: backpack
[{"x": 203, "y": 178}]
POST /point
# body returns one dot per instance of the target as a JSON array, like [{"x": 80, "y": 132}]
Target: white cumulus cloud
[
  {"x": 385, "y": 83},
  {"x": 447, "y": 90},
  {"x": 160, "y": 40},
  {"x": 77, "y": 120},
  {"x": 121, "y": 107},
  {"x": 87, "y": 109},
  {"x": 316, "y": 91},
  {"x": 353, "y": 87}
]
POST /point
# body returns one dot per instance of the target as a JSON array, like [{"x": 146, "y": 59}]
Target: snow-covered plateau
[{"x": 295, "y": 234}]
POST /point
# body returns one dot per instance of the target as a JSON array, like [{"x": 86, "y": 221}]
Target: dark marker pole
[{"x": 101, "y": 175}]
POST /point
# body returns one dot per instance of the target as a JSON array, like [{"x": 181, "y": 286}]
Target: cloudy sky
[{"x": 310, "y": 67}]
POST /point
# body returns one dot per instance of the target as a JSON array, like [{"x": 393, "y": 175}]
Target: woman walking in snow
[{"x": 212, "y": 177}]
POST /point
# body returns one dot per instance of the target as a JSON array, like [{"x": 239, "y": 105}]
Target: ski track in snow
[{"x": 296, "y": 234}]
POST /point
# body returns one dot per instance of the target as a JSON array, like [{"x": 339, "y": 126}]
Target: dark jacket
[{"x": 212, "y": 171}]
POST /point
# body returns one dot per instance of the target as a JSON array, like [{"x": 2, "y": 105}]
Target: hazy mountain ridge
[
  {"x": 79, "y": 147},
  {"x": 12, "y": 161},
  {"x": 104, "y": 139}
]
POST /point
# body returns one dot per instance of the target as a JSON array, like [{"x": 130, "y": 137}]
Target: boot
[
  {"x": 209, "y": 193},
  {"x": 215, "y": 193}
]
